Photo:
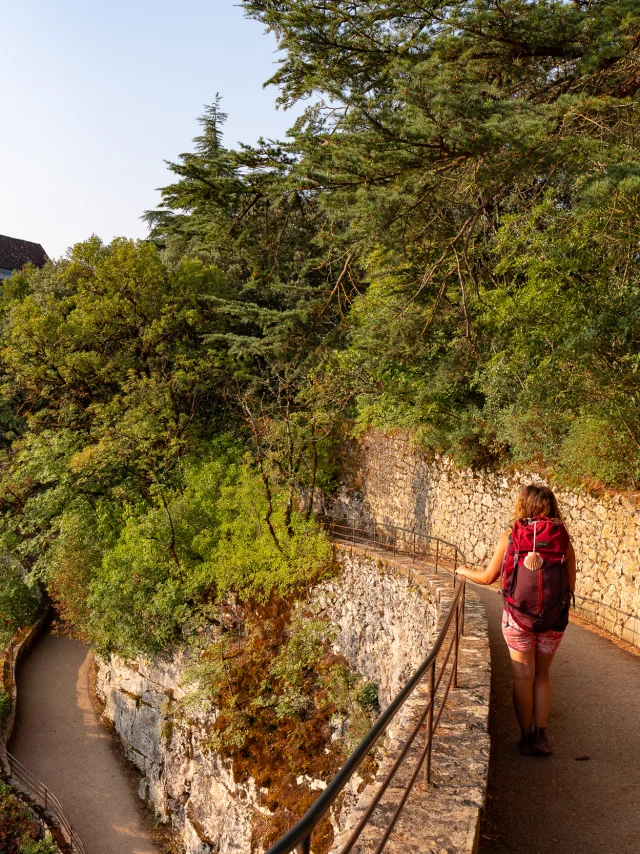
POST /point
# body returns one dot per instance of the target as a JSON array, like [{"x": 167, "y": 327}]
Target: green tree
[
  {"x": 431, "y": 128},
  {"x": 19, "y": 601},
  {"x": 248, "y": 212},
  {"x": 104, "y": 366}
]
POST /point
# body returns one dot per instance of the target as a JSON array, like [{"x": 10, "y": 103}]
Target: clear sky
[{"x": 96, "y": 95}]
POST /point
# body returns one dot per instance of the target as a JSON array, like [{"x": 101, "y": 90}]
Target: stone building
[{"x": 14, "y": 254}]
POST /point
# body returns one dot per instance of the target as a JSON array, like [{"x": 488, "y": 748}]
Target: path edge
[{"x": 17, "y": 649}]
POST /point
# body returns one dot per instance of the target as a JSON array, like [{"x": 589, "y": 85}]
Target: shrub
[
  {"x": 19, "y": 601},
  {"x": 594, "y": 450},
  {"x": 367, "y": 698},
  {"x": 158, "y": 577},
  {"x": 20, "y": 830},
  {"x": 278, "y": 690}
]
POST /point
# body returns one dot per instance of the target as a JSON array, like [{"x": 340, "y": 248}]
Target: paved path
[
  {"x": 561, "y": 805},
  {"x": 58, "y": 738}
]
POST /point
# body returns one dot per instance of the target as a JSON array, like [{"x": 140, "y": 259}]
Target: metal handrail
[
  {"x": 29, "y": 783},
  {"x": 394, "y": 538},
  {"x": 298, "y": 838}
]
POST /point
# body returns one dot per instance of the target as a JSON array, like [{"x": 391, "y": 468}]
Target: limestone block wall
[
  {"x": 385, "y": 623},
  {"x": 386, "y": 616},
  {"x": 392, "y": 481}
]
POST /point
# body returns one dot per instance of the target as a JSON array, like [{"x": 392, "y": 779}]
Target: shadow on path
[
  {"x": 560, "y": 804},
  {"x": 59, "y": 739}
]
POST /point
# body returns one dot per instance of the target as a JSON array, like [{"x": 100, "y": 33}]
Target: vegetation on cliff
[
  {"x": 289, "y": 709},
  {"x": 126, "y": 486},
  {"x": 151, "y": 469}
]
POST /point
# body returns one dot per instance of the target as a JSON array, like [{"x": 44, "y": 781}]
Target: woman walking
[{"x": 537, "y": 567}]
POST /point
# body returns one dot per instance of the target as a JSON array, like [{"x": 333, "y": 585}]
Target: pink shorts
[{"x": 521, "y": 640}]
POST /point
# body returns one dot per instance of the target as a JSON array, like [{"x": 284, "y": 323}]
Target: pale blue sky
[{"x": 96, "y": 95}]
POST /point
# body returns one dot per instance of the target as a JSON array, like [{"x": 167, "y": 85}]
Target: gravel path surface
[
  {"x": 585, "y": 799},
  {"x": 59, "y": 739}
]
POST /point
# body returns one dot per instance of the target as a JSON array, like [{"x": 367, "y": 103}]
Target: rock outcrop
[{"x": 187, "y": 785}]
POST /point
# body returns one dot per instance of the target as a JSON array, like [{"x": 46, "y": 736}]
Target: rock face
[
  {"x": 190, "y": 787},
  {"x": 386, "y": 625},
  {"x": 394, "y": 483},
  {"x": 385, "y": 628}
]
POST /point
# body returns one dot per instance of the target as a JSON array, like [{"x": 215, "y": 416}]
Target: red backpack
[{"x": 534, "y": 578}]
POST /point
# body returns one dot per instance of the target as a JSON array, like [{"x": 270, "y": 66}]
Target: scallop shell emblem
[{"x": 533, "y": 561}]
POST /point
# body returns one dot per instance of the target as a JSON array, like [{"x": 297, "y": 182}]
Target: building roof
[{"x": 14, "y": 253}]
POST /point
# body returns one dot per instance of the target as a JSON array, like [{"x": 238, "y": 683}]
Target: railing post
[
  {"x": 455, "y": 566},
  {"x": 457, "y": 647},
  {"x": 429, "y": 724},
  {"x": 305, "y": 846}
]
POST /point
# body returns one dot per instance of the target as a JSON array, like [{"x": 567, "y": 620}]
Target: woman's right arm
[{"x": 492, "y": 572}]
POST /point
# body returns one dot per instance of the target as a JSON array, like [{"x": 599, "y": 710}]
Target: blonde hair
[{"x": 536, "y": 500}]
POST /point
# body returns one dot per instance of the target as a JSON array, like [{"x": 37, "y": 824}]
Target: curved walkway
[
  {"x": 59, "y": 739},
  {"x": 568, "y": 803}
]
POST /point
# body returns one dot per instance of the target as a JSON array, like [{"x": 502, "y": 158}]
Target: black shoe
[
  {"x": 524, "y": 745},
  {"x": 540, "y": 743}
]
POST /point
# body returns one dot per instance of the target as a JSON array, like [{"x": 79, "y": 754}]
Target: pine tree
[{"x": 445, "y": 135}]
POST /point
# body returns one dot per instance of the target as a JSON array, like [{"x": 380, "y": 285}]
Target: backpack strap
[
  {"x": 504, "y": 560},
  {"x": 503, "y": 592}
]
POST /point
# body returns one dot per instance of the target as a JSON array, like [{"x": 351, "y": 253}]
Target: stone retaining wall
[
  {"x": 17, "y": 649},
  {"x": 386, "y": 623},
  {"x": 389, "y": 479},
  {"x": 386, "y": 614}
]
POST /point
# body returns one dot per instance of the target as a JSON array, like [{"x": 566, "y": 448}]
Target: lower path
[
  {"x": 59, "y": 739},
  {"x": 567, "y": 803}
]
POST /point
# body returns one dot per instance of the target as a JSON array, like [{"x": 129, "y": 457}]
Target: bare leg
[
  {"x": 542, "y": 688},
  {"x": 524, "y": 671}
]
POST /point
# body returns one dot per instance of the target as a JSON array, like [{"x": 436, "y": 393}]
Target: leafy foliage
[
  {"x": 20, "y": 832},
  {"x": 19, "y": 601},
  {"x": 5, "y": 706},
  {"x": 136, "y": 579},
  {"x": 115, "y": 487}
]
